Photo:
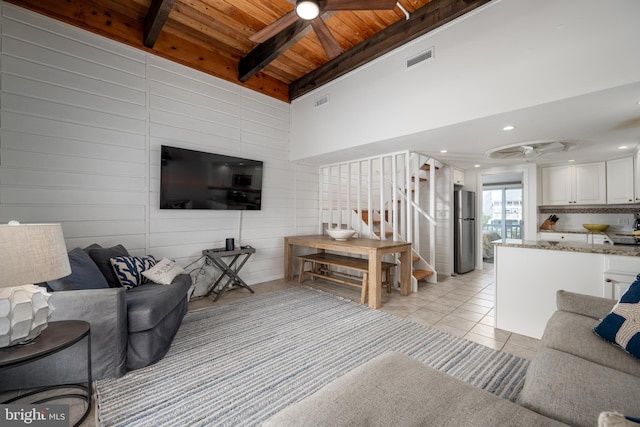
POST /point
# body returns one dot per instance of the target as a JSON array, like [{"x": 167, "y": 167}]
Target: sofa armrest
[
  {"x": 586, "y": 305},
  {"x": 106, "y": 311}
]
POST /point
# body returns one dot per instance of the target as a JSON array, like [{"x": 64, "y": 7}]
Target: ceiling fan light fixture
[{"x": 307, "y": 9}]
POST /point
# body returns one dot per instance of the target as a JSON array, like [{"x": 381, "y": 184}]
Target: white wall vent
[
  {"x": 420, "y": 58},
  {"x": 322, "y": 101}
]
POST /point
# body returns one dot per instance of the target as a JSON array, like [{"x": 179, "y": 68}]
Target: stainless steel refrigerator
[{"x": 464, "y": 234}]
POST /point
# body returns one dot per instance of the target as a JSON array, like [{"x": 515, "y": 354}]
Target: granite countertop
[{"x": 605, "y": 249}]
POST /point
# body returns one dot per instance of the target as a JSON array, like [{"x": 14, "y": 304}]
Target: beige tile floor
[{"x": 461, "y": 305}]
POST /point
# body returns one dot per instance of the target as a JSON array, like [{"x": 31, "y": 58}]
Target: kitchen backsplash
[{"x": 572, "y": 217}]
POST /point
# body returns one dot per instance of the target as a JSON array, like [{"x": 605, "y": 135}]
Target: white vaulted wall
[{"x": 82, "y": 121}]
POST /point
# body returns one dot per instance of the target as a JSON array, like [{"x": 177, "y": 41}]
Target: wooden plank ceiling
[{"x": 213, "y": 35}]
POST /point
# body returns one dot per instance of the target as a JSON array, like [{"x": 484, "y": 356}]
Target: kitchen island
[{"x": 528, "y": 274}]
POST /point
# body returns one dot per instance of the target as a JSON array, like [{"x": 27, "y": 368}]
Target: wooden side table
[{"x": 56, "y": 337}]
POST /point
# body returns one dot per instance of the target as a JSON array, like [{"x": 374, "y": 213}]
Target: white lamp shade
[
  {"x": 32, "y": 253},
  {"x": 307, "y": 9}
]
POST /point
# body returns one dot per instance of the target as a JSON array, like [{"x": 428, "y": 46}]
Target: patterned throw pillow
[
  {"x": 128, "y": 269},
  {"x": 614, "y": 419},
  {"x": 622, "y": 325},
  {"x": 163, "y": 272}
]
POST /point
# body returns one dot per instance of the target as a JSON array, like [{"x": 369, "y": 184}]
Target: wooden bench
[{"x": 321, "y": 262}]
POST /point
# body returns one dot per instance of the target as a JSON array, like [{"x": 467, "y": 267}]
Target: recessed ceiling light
[
  {"x": 476, "y": 166},
  {"x": 510, "y": 127},
  {"x": 571, "y": 161},
  {"x": 623, "y": 147},
  {"x": 443, "y": 151}
]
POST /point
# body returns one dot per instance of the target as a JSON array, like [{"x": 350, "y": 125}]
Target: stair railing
[{"x": 375, "y": 185}]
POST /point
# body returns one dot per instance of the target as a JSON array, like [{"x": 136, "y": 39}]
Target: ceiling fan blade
[
  {"x": 274, "y": 28},
  {"x": 328, "y": 42},
  {"x": 358, "y": 4}
]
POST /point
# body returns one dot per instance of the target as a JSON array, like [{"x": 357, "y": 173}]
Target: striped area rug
[{"x": 241, "y": 363}]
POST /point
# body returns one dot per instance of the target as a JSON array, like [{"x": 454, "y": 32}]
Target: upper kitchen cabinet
[
  {"x": 583, "y": 184},
  {"x": 620, "y": 185},
  {"x": 458, "y": 177}
]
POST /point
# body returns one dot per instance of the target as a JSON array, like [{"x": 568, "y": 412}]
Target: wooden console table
[{"x": 373, "y": 249}]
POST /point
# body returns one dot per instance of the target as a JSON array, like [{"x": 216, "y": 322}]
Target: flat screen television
[{"x": 192, "y": 179}]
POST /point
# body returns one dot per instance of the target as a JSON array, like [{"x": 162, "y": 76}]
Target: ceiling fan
[
  {"x": 310, "y": 10},
  {"x": 528, "y": 150}
]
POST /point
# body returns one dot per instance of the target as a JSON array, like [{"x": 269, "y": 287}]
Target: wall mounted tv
[{"x": 197, "y": 180}]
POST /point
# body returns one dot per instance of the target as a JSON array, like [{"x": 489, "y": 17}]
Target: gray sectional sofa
[
  {"x": 573, "y": 378},
  {"x": 130, "y": 328}
]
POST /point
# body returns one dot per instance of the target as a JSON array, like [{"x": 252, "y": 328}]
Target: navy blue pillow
[
  {"x": 622, "y": 326},
  {"x": 85, "y": 274},
  {"x": 102, "y": 257}
]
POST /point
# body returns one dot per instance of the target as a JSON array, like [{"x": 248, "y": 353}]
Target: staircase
[{"x": 379, "y": 197}]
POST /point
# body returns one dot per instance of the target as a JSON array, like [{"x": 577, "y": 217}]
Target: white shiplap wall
[
  {"x": 82, "y": 121},
  {"x": 190, "y": 110}
]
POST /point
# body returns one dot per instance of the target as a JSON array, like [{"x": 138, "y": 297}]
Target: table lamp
[{"x": 29, "y": 253}]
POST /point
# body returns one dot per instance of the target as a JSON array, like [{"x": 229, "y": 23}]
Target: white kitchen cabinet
[
  {"x": 585, "y": 237},
  {"x": 458, "y": 177},
  {"x": 563, "y": 237},
  {"x": 557, "y": 185},
  {"x": 598, "y": 239},
  {"x": 620, "y": 181},
  {"x": 619, "y": 274},
  {"x": 583, "y": 184}
]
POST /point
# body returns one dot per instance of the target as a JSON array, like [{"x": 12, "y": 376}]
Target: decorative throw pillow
[
  {"x": 85, "y": 274},
  {"x": 128, "y": 269},
  {"x": 163, "y": 272},
  {"x": 102, "y": 257},
  {"x": 614, "y": 419},
  {"x": 622, "y": 325}
]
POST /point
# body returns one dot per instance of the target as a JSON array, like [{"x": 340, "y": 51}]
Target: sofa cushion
[
  {"x": 575, "y": 391},
  {"x": 572, "y": 333},
  {"x": 148, "y": 304},
  {"x": 85, "y": 274},
  {"x": 163, "y": 272},
  {"x": 129, "y": 269},
  {"x": 395, "y": 390},
  {"x": 622, "y": 325},
  {"x": 102, "y": 257}
]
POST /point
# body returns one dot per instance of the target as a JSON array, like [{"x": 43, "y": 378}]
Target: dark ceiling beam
[
  {"x": 155, "y": 20},
  {"x": 266, "y": 52},
  {"x": 429, "y": 17}
]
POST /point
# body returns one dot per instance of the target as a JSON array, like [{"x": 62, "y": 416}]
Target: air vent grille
[
  {"x": 322, "y": 101},
  {"x": 424, "y": 56}
]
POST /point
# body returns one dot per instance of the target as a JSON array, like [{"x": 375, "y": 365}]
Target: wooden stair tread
[
  {"x": 421, "y": 274},
  {"x": 387, "y": 233},
  {"x": 427, "y": 167},
  {"x": 415, "y": 258}
]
